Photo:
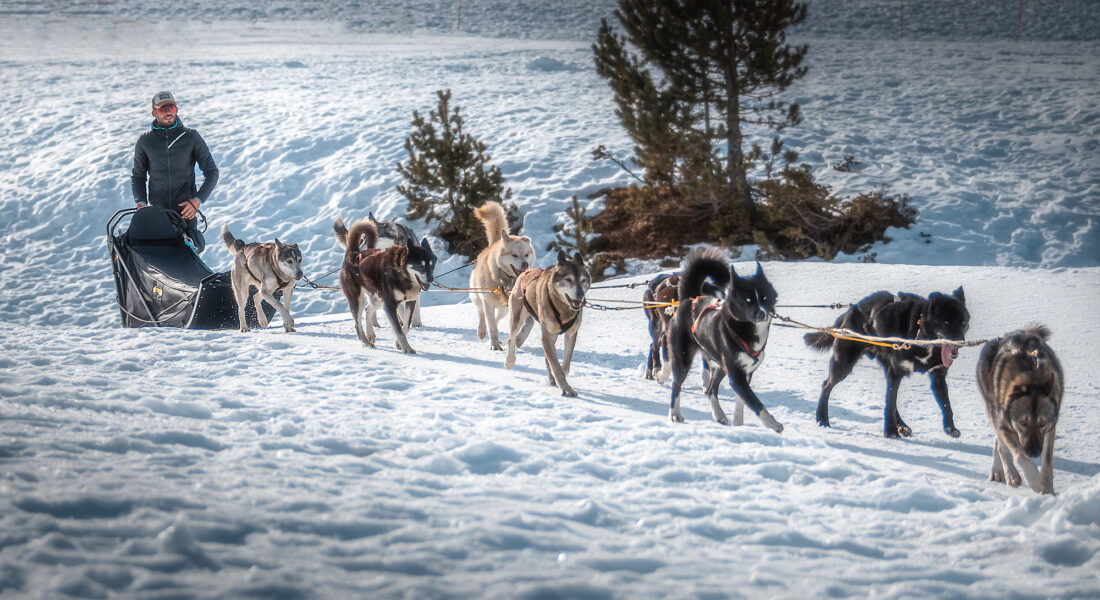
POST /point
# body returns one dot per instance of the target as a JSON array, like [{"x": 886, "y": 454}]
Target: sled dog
[
  {"x": 662, "y": 289},
  {"x": 1020, "y": 380},
  {"x": 555, "y": 298},
  {"x": 909, "y": 316},
  {"x": 371, "y": 277},
  {"x": 498, "y": 266},
  {"x": 268, "y": 267},
  {"x": 731, "y": 332},
  {"x": 665, "y": 289},
  {"x": 392, "y": 233}
]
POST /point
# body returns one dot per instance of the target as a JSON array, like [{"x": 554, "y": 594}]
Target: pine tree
[
  {"x": 704, "y": 69},
  {"x": 574, "y": 236},
  {"x": 448, "y": 175}
]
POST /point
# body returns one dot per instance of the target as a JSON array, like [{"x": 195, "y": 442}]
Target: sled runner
[{"x": 161, "y": 282}]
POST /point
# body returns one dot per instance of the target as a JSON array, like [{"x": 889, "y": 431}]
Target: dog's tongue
[{"x": 947, "y": 354}]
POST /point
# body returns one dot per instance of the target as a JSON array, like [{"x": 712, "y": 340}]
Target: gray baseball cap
[{"x": 162, "y": 98}]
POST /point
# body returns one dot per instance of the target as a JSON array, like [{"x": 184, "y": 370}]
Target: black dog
[
  {"x": 731, "y": 332},
  {"x": 908, "y": 316}
]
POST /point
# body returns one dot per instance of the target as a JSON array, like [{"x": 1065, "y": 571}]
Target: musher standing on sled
[{"x": 165, "y": 157}]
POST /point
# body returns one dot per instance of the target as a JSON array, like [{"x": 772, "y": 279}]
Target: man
[{"x": 165, "y": 159}]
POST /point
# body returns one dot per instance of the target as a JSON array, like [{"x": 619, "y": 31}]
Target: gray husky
[
  {"x": 1020, "y": 380},
  {"x": 268, "y": 267},
  {"x": 555, "y": 298}
]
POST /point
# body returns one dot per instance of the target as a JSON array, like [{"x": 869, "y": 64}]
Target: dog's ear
[
  {"x": 370, "y": 215},
  {"x": 424, "y": 243},
  {"x": 959, "y": 295},
  {"x": 759, "y": 271},
  {"x": 562, "y": 259},
  {"x": 278, "y": 243},
  {"x": 733, "y": 274},
  {"x": 504, "y": 234},
  {"x": 578, "y": 259}
]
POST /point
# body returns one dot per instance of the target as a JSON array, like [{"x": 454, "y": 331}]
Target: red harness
[{"x": 715, "y": 304}]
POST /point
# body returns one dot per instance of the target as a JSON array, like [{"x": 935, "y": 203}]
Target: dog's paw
[
  {"x": 245, "y": 329},
  {"x": 904, "y": 431},
  {"x": 823, "y": 423},
  {"x": 952, "y": 432},
  {"x": 289, "y": 329},
  {"x": 997, "y": 477},
  {"x": 497, "y": 346},
  {"x": 1013, "y": 480},
  {"x": 770, "y": 422},
  {"x": 675, "y": 417},
  {"x": 722, "y": 420},
  {"x": 568, "y": 391}
]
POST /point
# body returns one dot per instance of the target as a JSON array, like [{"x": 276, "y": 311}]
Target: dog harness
[
  {"x": 523, "y": 290},
  {"x": 282, "y": 284},
  {"x": 714, "y": 305}
]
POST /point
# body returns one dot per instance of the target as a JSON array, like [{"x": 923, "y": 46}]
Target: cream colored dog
[{"x": 497, "y": 268}]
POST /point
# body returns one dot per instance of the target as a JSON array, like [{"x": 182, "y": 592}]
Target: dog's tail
[
  {"x": 362, "y": 234},
  {"x": 819, "y": 340},
  {"x": 492, "y": 217},
  {"x": 699, "y": 266},
  {"x": 1040, "y": 331},
  {"x": 341, "y": 232},
  {"x": 1029, "y": 341},
  {"x": 231, "y": 242},
  {"x": 853, "y": 319}
]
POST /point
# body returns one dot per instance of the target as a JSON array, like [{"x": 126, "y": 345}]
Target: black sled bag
[{"x": 161, "y": 282}]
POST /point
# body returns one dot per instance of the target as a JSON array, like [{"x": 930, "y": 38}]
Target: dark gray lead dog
[
  {"x": 731, "y": 331},
  {"x": 1021, "y": 382}
]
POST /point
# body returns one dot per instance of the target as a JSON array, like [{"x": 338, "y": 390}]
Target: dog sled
[{"x": 161, "y": 282}]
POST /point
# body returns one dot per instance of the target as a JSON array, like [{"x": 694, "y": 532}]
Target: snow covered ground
[{"x": 170, "y": 464}]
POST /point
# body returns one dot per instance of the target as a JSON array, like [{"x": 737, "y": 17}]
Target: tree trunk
[{"x": 735, "y": 155}]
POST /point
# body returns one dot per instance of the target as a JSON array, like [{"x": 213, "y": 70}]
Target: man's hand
[{"x": 188, "y": 208}]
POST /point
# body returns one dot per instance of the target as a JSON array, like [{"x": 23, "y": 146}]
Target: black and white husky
[{"x": 731, "y": 331}]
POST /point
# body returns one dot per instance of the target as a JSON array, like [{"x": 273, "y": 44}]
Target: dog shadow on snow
[{"x": 800, "y": 404}]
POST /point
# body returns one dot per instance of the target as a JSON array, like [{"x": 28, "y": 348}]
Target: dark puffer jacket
[{"x": 166, "y": 158}]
